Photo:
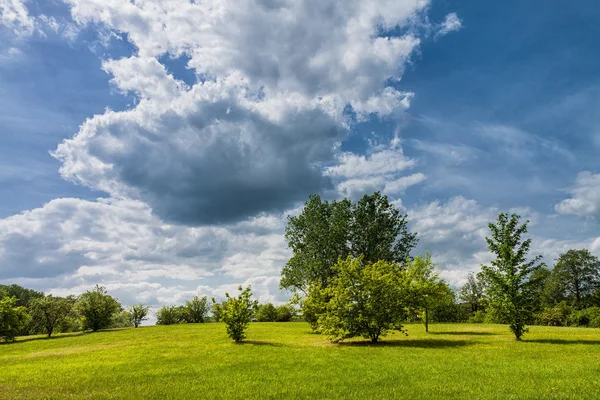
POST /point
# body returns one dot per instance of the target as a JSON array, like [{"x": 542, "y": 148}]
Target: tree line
[{"x": 352, "y": 274}]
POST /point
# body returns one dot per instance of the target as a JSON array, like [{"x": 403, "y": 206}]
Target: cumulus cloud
[
  {"x": 268, "y": 110},
  {"x": 15, "y": 16},
  {"x": 585, "y": 197}
]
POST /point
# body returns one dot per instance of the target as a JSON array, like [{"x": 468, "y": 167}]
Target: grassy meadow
[{"x": 285, "y": 360}]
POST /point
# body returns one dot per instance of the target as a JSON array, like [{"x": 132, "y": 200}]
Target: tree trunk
[{"x": 426, "y": 319}]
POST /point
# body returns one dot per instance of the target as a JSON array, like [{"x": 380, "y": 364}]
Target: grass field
[{"x": 284, "y": 360}]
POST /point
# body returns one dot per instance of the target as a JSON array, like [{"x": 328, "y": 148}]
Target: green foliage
[
  {"x": 365, "y": 300},
  {"x": 13, "y": 318},
  {"x": 478, "y": 317},
  {"x": 137, "y": 314},
  {"x": 559, "y": 315},
  {"x": 97, "y": 308},
  {"x": 511, "y": 289},
  {"x": 237, "y": 312},
  {"x": 285, "y": 313},
  {"x": 578, "y": 276},
  {"x": 196, "y": 309},
  {"x": 47, "y": 313},
  {"x": 266, "y": 313},
  {"x": 122, "y": 320},
  {"x": 588, "y": 317},
  {"x": 23, "y": 295},
  {"x": 425, "y": 288},
  {"x": 216, "y": 311},
  {"x": 473, "y": 292},
  {"x": 325, "y": 232},
  {"x": 169, "y": 315}
]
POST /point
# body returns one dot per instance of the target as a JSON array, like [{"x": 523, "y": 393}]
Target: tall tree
[
  {"x": 326, "y": 231},
  {"x": 317, "y": 237},
  {"x": 578, "y": 272},
  {"x": 97, "y": 308},
  {"x": 511, "y": 288},
  {"x": 47, "y": 312},
  {"x": 23, "y": 295},
  {"x": 13, "y": 318},
  {"x": 379, "y": 231},
  {"x": 426, "y": 289}
]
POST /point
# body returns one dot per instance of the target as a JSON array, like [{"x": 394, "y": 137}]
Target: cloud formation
[
  {"x": 275, "y": 80},
  {"x": 585, "y": 197}
]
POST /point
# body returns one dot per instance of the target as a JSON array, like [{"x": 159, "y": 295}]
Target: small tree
[
  {"x": 285, "y": 313},
  {"x": 196, "y": 309},
  {"x": 511, "y": 288},
  {"x": 237, "y": 312},
  {"x": 578, "y": 272},
  {"x": 13, "y": 318},
  {"x": 168, "y": 315},
  {"x": 137, "y": 314},
  {"x": 266, "y": 313},
  {"x": 426, "y": 288},
  {"x": 97, "y": 308},
  {"x": 365, "y": 300},
  {"x": 473, "y": 292},
  {"x": 48, "y": 312},
  {"x": 216, "y": 311}
]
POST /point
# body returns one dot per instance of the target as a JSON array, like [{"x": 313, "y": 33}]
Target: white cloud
[
  {"x": 15, "y": 16},
  {"x": 450, "y": 24},
  {"x": 268, "y": 111},
  {"x": 585, "y": 197}
]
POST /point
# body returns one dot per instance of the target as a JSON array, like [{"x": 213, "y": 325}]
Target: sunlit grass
[{"x": 285, "y": 360}]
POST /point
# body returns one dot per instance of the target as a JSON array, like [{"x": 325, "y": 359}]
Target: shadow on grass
[
  {"x": 259, "y": 343},
  {"x": 562, "y": 341},
  {"x": 25, "y": 339},
  {"x": 419, "y": 343},
  {"x": 461, "y": 333}
]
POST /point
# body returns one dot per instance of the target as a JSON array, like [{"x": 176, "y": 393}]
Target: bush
[
  {"x": 196, "y": 310},
  {"x": 478, "y": 317},
  {"x": 365, "y": 300},
  {"x": 97, "y": 308},
  {"x": 589, "y": 317},
  {"x": 237, "y": 312},
  {"x": 285, "y": 313},
  {"x": 266, "y": 313},
  {"x": 558, "y": 315},
  {"x": 168, "y": 315}
]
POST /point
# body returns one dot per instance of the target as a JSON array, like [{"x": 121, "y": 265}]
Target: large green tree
[
  {"x": 510, "y": 287},
  {"x": 97, "y": 308},
  {"x": 577, "y": 273},
  {"x": 364, "y": 300},
  {"x": 326, "y": 231},
  {"x": 47, "y": 312},
  {"x": 22, "y": 294}
]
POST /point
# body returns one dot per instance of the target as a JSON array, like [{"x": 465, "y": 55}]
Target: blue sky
[{"x": 201, "y": 136}]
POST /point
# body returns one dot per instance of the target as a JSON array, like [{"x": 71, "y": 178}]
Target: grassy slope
[{"x": 284, "y": 360}]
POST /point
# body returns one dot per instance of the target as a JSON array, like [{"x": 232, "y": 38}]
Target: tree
[
  {"x": 379, "y": 231},
  {"x": 425, "y": 287},
  {"x": 168, "y": 315},
  {"x": 285, "y": 313},
  {"x": 97, "y": 308},
  {"x": 216, "y": 311},
  {"x": 23, "y": 295},
  {"x": 364, "y": 300},
  {"x": 13, "y": 318},
  {"x": 317, "y": 237},
  {"x": 237, "y": 312},
  {"x": 121, "y": 320},
  {"x": 48, "y": 312},
  {"x": 473, "y": 292},
  {"x": 196, "y": 309},
  {"x": 578, "y": 271},
  {"x": 138, "y": 313},
  {"x": 266, "y": 313},
  {"x": 326, "y": 231},
  {"x": 511, "y": 288}
]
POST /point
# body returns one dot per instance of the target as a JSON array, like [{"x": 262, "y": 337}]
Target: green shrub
[
  {"x": 13, "y": 318},
  {"x": 478, "y": 317},
  {"x": 285, "y": 313},
  {"x": 237, "y": 312},
  {"x": 195, "y": 310},
  {"x": 589, "y": 317},
  {"x": 97, "y": 308},
  {"x": 559, "y": 315},
  {"x": 168, "y": 315},
  {"x": 266, "y": 313}
]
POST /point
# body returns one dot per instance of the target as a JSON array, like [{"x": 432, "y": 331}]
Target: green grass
[{"x": 284, "y": 360}]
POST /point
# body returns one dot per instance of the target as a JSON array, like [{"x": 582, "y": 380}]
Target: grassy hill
[{"x": 284, "y": 360}]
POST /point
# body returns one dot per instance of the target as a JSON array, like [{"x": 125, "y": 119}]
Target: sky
[{"x": 157, "y": 147}]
